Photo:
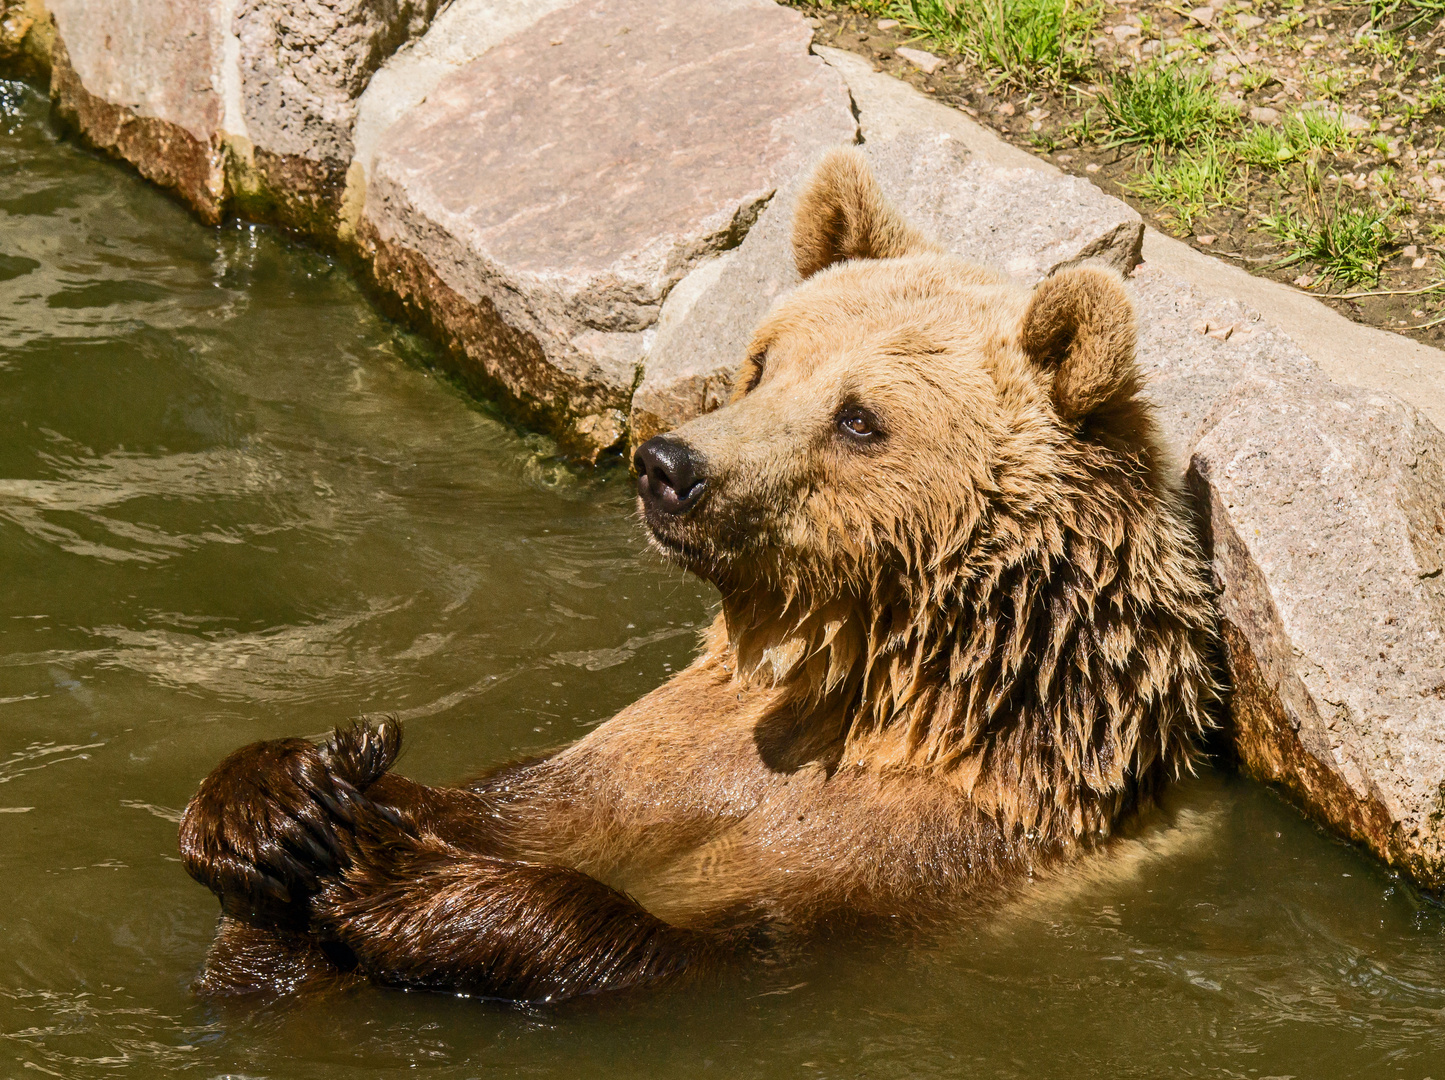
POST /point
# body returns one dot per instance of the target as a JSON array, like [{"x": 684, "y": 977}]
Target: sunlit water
[{"x": 235, "y": 505}]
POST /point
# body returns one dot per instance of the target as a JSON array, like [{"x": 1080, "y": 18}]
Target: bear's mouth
[{"x": 663, "y": 532}]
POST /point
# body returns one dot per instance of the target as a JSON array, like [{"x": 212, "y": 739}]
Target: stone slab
[
  {"x": 461, "y": 32},
  {"x": 1326, "y": 523},
  {"x": 1347, "y": 351},
  {"x": 142, "y": 81},
  {"x": 568, "y": 178},
  {"x": 159, "y": 59},
  {"x": 981, "y": 204},
  {"x": 246, "y": 104},
  {"x": 702, "y": 335}
]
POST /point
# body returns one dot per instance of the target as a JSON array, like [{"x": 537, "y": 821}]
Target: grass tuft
[
  {"x": 1022, "y": 41},
  {"x": 1194, "y": 183},
  {"x": 1385, "y": 12},
  {"x": 1300, "y": 136},
  {"x": 1347, "y": 243},
  {"x": 1164, "y": 105}
]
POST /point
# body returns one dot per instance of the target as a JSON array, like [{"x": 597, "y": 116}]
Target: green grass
[
  {"x": 1164, "y": 105},
  {"x": 1347, "y": 243},
  {"x": 1301, "y": 135},
  {"x": 1024, "y": 42},
  {"x": 1266, "y": 146},
  {"x": 1405, "y": 13},
  {"x": 1381, "y": 46},
  {"x": 1187, "y": 187}
]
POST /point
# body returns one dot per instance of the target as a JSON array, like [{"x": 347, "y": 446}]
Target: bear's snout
[{"x": 669, "y": 475}]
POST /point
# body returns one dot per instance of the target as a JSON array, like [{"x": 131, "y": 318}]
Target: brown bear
[{"x": 964, "y": 632}]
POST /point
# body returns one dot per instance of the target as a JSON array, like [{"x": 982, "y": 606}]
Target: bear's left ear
[
  {"x": 842, "y": 214},
  {"x": 1080, "y": 326}
]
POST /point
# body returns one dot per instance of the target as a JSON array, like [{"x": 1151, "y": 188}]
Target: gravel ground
[{"x": 1250, "y": 183}]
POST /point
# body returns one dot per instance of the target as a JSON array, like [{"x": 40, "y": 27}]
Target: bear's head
[{"x": 939, "y": 512}]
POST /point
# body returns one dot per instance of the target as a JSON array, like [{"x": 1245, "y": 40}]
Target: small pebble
[
  {"x": 1206, "y": 240},
  {"x": 1304, "y": 281},
  {"x": 1202, "y": 15},
  {"x": 1124, "y": 32},
  {"x": 1410, "y": 251},
  {"x": 926, "y": 62},
  {"x": 1091, "y": 167},
  {"x": 1263, "y": 114},
  {"x": 887, "y": 24},
  {"x": 1006, "y": 109},
  {"x": 1419, "y": 264},
  {"x": 1248, "y": 22}
]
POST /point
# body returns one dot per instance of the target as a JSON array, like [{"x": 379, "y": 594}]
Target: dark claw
[
  {"x": 273, "y": 888},
  {"x": 314, "y": 848},
  {"x": 392, "y": 817},
  {"x": 335, "y": 807}
]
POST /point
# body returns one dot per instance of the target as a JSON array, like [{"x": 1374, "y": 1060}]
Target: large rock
[
  {"x": 304, "y": 65},
  {"x": 1326, "y": 521},
  {"x": 541, "y": 202},
  {"x": 461, "y": 32},
  {"x": 302, "y": 68},
  {"x": 250, "y": 104},
  {"x": 708, "y": 320},
  {"x": 143, "y": 82}
]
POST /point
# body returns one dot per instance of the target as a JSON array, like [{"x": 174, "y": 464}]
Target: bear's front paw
[{"x": 273, "y": 820}]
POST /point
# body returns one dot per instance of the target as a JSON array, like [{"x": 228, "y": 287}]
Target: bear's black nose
[{"x": 669, "y": 475}]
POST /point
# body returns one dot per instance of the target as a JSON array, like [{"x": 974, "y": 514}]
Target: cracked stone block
[
  {"x": 1188, "y": 369},
  {"x": 564, "y": 181},
  {"x": 1325, "y": 508},
  {"x": 708, "y": 320}
]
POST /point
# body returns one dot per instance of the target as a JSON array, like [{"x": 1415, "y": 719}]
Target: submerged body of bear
[{"x": 964, "y": 631}]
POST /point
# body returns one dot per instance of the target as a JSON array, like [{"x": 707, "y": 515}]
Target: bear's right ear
[
  {"x": 1080, "y": 326},
  {"x": 842, "y": 214}
]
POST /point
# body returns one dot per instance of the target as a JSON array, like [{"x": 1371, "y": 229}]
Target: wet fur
[{"x": 947, "y": 656}]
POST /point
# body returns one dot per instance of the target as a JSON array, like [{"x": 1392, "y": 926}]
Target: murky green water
[{"x": 233, "y": 505}]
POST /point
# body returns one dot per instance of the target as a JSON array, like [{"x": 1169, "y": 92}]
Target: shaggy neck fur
[{"x": 1050, "y": 657}]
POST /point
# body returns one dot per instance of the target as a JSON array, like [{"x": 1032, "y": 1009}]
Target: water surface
[{"x": 234, "y": 505}]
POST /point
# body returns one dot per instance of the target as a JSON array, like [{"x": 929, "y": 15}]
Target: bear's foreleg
[{"x": 425, "y": 915}]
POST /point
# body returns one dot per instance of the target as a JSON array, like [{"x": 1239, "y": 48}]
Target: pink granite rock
[
  {"x": 1326, "y": 526},
  {"x": 564, "y": 181},
  {"x": 142, "y": 81},
  {"x": 304, "y": 63}
]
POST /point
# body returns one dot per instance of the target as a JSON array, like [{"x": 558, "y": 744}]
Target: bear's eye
[{"x": 857, "y": 423}]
